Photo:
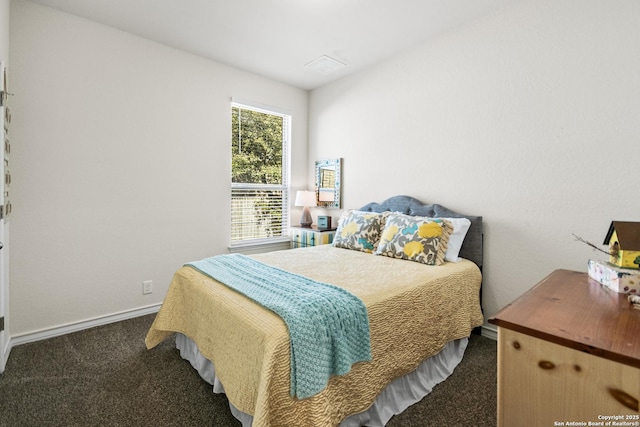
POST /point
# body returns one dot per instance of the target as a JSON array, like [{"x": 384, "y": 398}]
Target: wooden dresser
[{"x": 568, "y": 352}]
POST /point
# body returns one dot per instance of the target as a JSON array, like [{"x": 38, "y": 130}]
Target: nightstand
[
  {"x": 568, "y": 350},
  {"x": 311, "y": 236}
]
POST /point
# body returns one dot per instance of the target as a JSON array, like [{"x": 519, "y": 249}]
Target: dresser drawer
[
  {"x": 541, "y": 383},
  {"x": 302, "y": 237}
]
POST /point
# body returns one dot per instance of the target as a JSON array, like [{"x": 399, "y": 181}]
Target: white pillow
[{"x": 460, "y": 228}]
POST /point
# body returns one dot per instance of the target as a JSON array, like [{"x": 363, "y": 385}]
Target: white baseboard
[
  {"x": 487, "y": 330},
  {"x": 490, "y": 331},
  {"x": 56, "y": 331}
]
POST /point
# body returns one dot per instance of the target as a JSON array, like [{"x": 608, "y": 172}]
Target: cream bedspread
[{"x": 414, "y": 310}]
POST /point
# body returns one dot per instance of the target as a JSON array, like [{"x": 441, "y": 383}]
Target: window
[{"x": 259, "y": 173}]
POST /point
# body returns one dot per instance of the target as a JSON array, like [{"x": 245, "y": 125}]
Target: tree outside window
[{"x": 259, "y": 171}]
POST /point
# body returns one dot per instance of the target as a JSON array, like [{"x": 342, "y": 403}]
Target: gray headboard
[{"x": 472, "y": 245}]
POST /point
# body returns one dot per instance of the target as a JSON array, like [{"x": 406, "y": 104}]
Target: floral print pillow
[
  {"x": 414, "y": 238},
  {"x": 359, "y": 230}
]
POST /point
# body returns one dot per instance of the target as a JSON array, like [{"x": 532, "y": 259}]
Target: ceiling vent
[{"x": 325, "y": 65}]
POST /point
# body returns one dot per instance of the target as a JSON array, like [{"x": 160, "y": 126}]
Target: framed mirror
[{"x": 328, "y": 183}]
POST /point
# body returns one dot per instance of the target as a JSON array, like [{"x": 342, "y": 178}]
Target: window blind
[{"x": 260, "y": 211}]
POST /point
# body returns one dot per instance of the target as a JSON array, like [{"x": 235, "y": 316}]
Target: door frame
[{"x": 5, "y": 339}]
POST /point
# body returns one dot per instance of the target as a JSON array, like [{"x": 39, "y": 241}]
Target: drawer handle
[
  {"x": 624, "y": 398},
  {"x": 545, "y": 364}
]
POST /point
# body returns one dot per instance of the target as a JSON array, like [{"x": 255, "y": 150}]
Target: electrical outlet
[{"x": 147, "y": 287}]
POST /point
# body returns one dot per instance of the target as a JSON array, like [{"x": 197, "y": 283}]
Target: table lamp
[{"x": 306, "y": 199}]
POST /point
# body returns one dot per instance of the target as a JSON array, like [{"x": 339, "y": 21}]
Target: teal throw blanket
[{"x": 328, "y": 326}]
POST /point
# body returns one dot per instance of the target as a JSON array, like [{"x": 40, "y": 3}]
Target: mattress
[{"x": 414, "y": 311}]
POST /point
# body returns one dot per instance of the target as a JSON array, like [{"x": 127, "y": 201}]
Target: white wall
[
  {"x": 121, "y": 164},
  {"x": 4, "y": 29},
  {"x": 529, "y": 118}
]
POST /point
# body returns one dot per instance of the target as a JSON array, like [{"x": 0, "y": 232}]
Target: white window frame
[{"x": 246, "y": 245}]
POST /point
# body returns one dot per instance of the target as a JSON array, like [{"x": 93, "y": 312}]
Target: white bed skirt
[{"x": 395, "y": 398}]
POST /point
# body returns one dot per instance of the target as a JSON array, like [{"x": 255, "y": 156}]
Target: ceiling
[{"x": 276, "y": 38}]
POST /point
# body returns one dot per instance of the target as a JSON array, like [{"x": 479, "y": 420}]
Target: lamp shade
[{"x": 305, "y": 198}]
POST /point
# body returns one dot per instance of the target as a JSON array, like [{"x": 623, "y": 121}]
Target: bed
[{"x": 420, "y": 316}]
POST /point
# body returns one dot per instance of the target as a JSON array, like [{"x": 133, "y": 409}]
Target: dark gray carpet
[{"x": 104, "y": 376}]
